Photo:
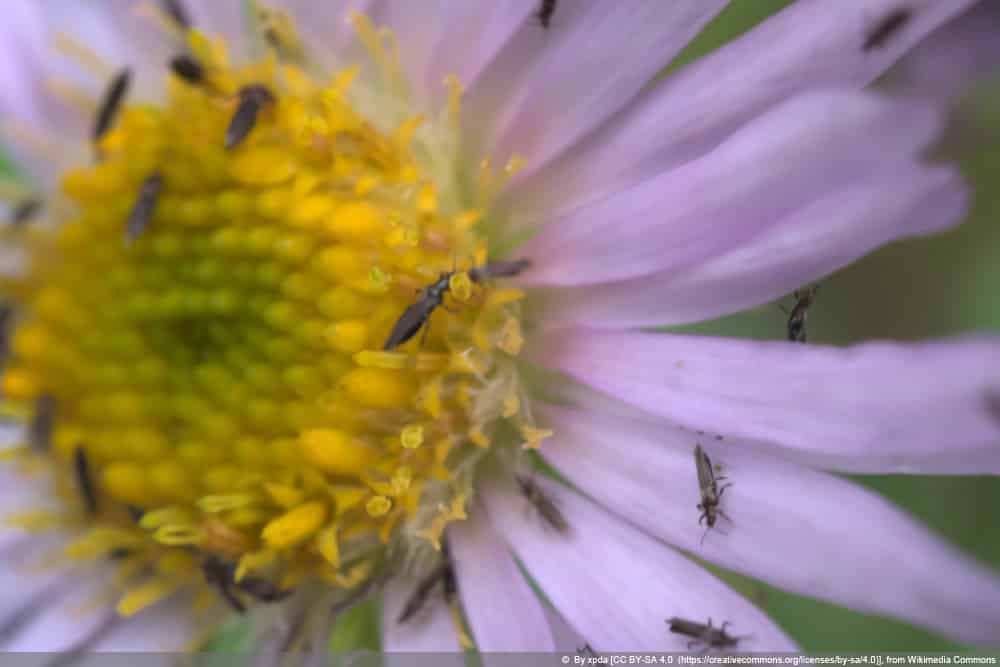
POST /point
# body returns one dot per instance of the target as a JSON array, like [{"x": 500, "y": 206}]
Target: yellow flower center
[{"x": 208, "y": 327}]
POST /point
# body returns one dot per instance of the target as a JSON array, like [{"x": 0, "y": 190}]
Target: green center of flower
[{"x": 220, "y": 382}]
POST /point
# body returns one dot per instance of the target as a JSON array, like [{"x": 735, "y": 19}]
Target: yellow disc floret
[{"x": 227, "y": 384}]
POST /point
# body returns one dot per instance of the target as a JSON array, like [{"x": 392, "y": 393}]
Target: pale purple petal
[
  {"x": 801, "y": 530},
  {"x": 325, "y": 27},
  {"x": 430, "y": 630},
  {"x": 168, "y": 626},
  {"x": 504, "y": 614},
  {"x": 910, "y": 408},
  {"x": 811, "y": 44},
  {"x": 223, "y": 18},
  {"x": 615, "y": 585},
  {"x": 479, "y": 30},
  {"x": 547, "y": 88},
  {"x": 64, "y": 621},
  {"x": 799, "y": 152},
  {"x": 804, "y": 246}
]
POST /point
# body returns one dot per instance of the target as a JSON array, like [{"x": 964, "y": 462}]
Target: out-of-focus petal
[
  {"x": 909, "y": 408},
  {"x": 477, "y": 31},
  {"x": 325, "y": 26},
  {"x": 955, "y": 56},
  {"x": 808, "y": 244},
  {"x": 548, "y": 88},
  {"x": 66, "y": 619},
  {"x": 792, "y": 156},
  {"x": 811, "y": 44},
  {"x": 224, "y": 18},
  {"x": 166, "y": 627},
  {"x": 615, "y": 585},
  {"x": 503, "y": 612},
  {"x": 790, "y": 526},
  {"x": 431, "y": 630}
]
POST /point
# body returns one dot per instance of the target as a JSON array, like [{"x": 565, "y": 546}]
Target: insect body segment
[
  {"x": 706, "y": 635},
  {"x": 798, "y": 314},
  {"x": 176, "y": 11},
  {"x": 25, "y": 212},
  {"x": 893, "y": 22},
  {"x": 84, "y": 480},
  {"x": 145, "y": 206},
  {"x": 545, "y": 12},
  {"x": 253, "y": 99},
  {"x": 222, "y": 575},
  {"x": 711, "y": 492},
  {"x": 545, "y": 506},
  {"x": 444, "y": 574},
  {"x": 42, "y": 423},
  {"x": 416, "y": 314},
  {"x": 188, "y": 68},
  {"x": 112, "y": 103}
]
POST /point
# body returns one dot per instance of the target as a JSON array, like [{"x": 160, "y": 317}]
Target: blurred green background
[{"x": 938, "y": 286}]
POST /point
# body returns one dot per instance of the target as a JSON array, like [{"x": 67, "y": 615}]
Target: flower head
[{"x": 296, "y": 314}]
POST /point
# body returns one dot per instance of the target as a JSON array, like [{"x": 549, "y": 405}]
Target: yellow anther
[
  {"x": 460, "y": 285},
  {"x": 294, "y": 526},
  {"x": 478, "y": 438},
  {"x": 412, "y": 436},
  {"x": 533, "y": 437},
  {"x": 502, "y": 297},
  {"x": 153, "y": 519},
  {"x": 285, "y": 496},
  {"x": 34, "y": 521},
  {"x": 511, "y": 339},
  {"x": 262, "y": 166},
  {"x": 328, "y": 545},
  {"x": 378, "y": 506},
  {"x": 254, "y": 561},
  {"x": 377, "y": 388},
  {"x": 145, "y": 595},
  {"x": 216, "y": 504},
  {"x": 348, "y": 336},
  {"x": 455, "y": 92},
  {"x": 511, "y": 404},
  {"x": 383, "y": 360},
  {"x": 177, "y": 534},
  {"x": 335, "y": 451}
]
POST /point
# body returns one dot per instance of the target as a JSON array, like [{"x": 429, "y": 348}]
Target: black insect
[
  {"x": 188, "y": 68},
  {"x": 798, "y": 314},
  {"x": 120, "y": 553},
  {"x": 711, "y": 492},
  {"x": 113, "y": 99},
  {"x": 145, "y": 206},
  {"x": 42, "y": 422},
  {"x": 84, "y": 480},
  {"x": 253, "y": 98},
  {"x": 545, "y": 12},
  {"x": 6, "y": 321},
  {"x": 416, "y": 314},
  {"x": 706, "y": 635},
  {"x": 25, "y": 212},
  {"x": 175, "y": 9},
  {"x": 443, "y": 573},
  {"x": 499, "y": 269},
  {"x": 546, "y": 508},
  {"x": 222, "y": 575},
  {"x": 880, "y": 34}
]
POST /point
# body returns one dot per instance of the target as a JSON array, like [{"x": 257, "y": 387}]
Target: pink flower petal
[
  {"x": 548, "y": 88},
  {"x": 790, "y": 526},
  {"x": 226, "y": 19},
  {"x": 793, "y": 155},
  {"x": 168, "y": 626},
  {"x": 431, "y": 630},
  {"x": 504, "y": 614},
  {"x": 615, "y": 585},
  {"x": 476, "y": 32},
  {"x": 897, "y": 407},
  {"x": 804, "y": 246},
  {"x": 811, "y": 44}
]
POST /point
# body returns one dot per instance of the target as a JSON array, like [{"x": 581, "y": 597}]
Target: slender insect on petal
[
  {"x": 798, "y": 314},
  {"x": 545, "y": 12},
  {"x": 219, "y": 574},
  {"x": 703, "y": 634},
  {"x": 25, "y": 212},
  {"x": 252, "y": 99},
  {"x": 711, "y": 492},
  {"x": 188, "y": 68},
  {"x": 416, "y": 314},
  {"x": 442, "y": 574},
  {"x": 175, "y": 9},
  {"x": 42, "y": 423},
  {"x": 112, "y": 103},
  {"x": 145, "y": 206},
  {"x": 84, "y": 481},
  {"x": 499, "y": 269},
  {"x": 885, "y": 29},
  {"x": 544, "y": 505}
]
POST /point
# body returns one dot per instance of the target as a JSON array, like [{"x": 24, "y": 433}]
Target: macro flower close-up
[{"x": 311, "y": 307}]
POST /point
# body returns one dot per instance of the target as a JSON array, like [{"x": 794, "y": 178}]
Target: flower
[{"x": 275, "y": 316}]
